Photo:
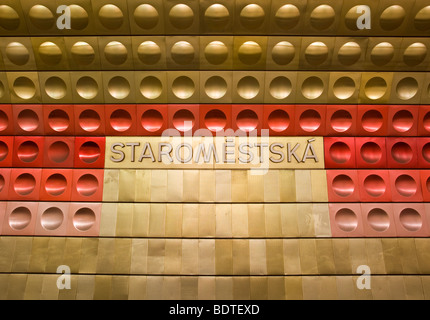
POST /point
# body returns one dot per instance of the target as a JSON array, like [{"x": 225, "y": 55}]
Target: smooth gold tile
[
  {"x": 190, "y": 256},
  {"x": 224, "y": 288},
  {"x": 241, "y": 257},
  {"x": 257, "y": 257},
  {"x": 206, "y": 288},
  {"x": 174, "y": 220}
]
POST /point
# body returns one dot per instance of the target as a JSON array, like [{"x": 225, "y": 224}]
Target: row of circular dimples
[
  {"x": 217, "y": 53},
  {"x": 216, "y": 17}
]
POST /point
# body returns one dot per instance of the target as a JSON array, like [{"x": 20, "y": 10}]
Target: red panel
[
  {"x": 184, "y": 118},
  {"x": 6, "y": 120},
  {"x": 378, "y": 220},
  {"x": 341, "y": 120},
  {"x": 56, "y": 185},
  {"x": 6, "y": 151},
  {"x": 374, "y": 185},
  {"x": 372, "y": 120},
  {"x": 89, "y": 120},
  {"x": 425, "y": 184},
  {"x": 87, "y": 185},
  {"x": 84, "y": 219},
  {"x": 121, "y": 120},
  {"x": 402, "y": 152},
  {"x": 310, "y": 120},
  {"x": 59, "y": 120},
  {"x": 4, "y": 183},
  {"x": 411, "y": 220},
  {"x": 424, "y": 121},
  {"x": 403, "y": 120},
  {"x": 339, "y": 152},
  {"x": 345, "y": 220},
  {"x": 423, "y": 152},
  {"x": 216, "y": 118},
  {"x": 59, "y": 152},
  {"x": 247, "y": 118},
  {"x": 279, "y": 119},
  {"x": 25, "y": 184},
  {"x": 151, "y": 120},
  {"x": 90, "y": 152},
  {"x": 370, "y": 153},
  {"x": 52, "y": 218},
  {"x": 406, "y": 186},
  {"x": 20, "y": 219},
  {"x": 343, "y": 186},
  {"x": 28, "y": 119},
  {"x": 28, "y": 152}
]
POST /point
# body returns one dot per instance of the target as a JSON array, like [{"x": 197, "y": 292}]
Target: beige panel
[
  {"x": 174, "y": 220},
  {"x": 119, "y": 88},
  {"x": 137, "y": 288},
  {"x": 407, "y": 88},
  {"x": 216, "y": 53},
  {"x": 344, "y": 87},
  {"x": 216, "y": 87},
  {"x": 206, "y": 288},
  {"x": 312, "y": 87},
  {"x": 240, "y": 220},
  {"x": 224, "y": 288},
  {"x": 83, "y": 53},
  {"x": 174, "y": 253},
  {"x": 24, "y": 87},
  {"x": 87, "y": 87},
  {"x": 280, "y": 87},
  {"x": 50, "y": 53},
  {"x": 17, "y": 54}
]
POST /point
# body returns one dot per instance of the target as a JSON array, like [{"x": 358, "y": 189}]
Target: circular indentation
[
  {"x": 341, "y": 121},
  {"x": 149, "y": 52},
  {"x": 28, "y": 151},
  {"x": 371, "y": 152},
  {"x": 403, "y": 121},
  {"x": 247, "y": 120},
  {"x": 4, "y": 121},
  {"x": 401, "y": 152},
  {"x": 374, "y": 185},
  {"x": 248, "y": 87},
  {"x": 116, "y": 53},
  {"x": 58, "y": 120},
  {"x": 372, "y": 120},
  {"x": 375, "y": 88},
  {"x": 56, "y": 185},
  {"x": 20, "y": 218},
  {"x": 252, "y": 16},
  {"x": 316, "y": 53},
  {"x": 9, "y": 18},
  {"x": 183, "y": 87},
  {"x": 89, "y": 120},
  {"x": 24, "y": 88},
  {"x": 407, "y": 88},
  {"x": 278, "y": 120},
  {"x": 111, "y": 17},
  {"x": 382, "y": 53},
  {"x": 426, "y": 152},
  {"x": 406, "y": 185},
  {"x": 89, "y": 152},
  {"x": 322, "y": 17},
  {"x": 346, "y": 220},
  {"x": 352, "y": 17},
  {"x": 78, "y": 17},
  {"x": 87, "y": 185},
  {"x": 50, "y": 53},
  {"x": 152, "y": 120},
  {"x": 217, "y": 17},
  {"x": 215, "y": 87},
  {"x": 2, "y": 182},
  {"x": 287, "y": 16},
  {"x": 426, "y": 121},
  {"x": 312, "y": 88},
  {"x": 310, "y": 120},
  {"x": 422, "y": 19},
  {"x": 52, "y": 218},
  {"x": 415, "y": 54},
  {"x": 120, "y": 120},
  {"x": 151, "y": 87},
  {"x": 84, "y": 219},
  {"x": 344, "y": 88},
  {"x": 216, "y": 52},
  {"x": 87, "y": 88},
  {"x": 83, "y": 53},
  {"x": 250, "y": 52},
  {"x": 343, "y": 185},
  {"x": 283, "y": 53},
  {"x": 349, "y": 53},
  {"x": 24, "y": 184},
  {"x": 392, "y": 17},
  {"x": 28, "y": 120},
  {"x": 41, "y": 17},
  {"x": 58, "y": 152},
  {"x": 183, "y": 52},
  {"x": 181, "y": 16},
  {"x": 146, "y": 16},
  {"x": 378, "y": 219},
  {"x": 55, "y": 88},
  {"x": 215, "y": 120},
  {"x": 280, "y": 87},
  {"x": 183, "y": 120},
  {"x": 340, "y": 152},
  {"x": 17, "y": 53},
  {"x": 119, "y": 88},
  {"x": 4, "y": 150},
  {"x": 410, "y": 219}
]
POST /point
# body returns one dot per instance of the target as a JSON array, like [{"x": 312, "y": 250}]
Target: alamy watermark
[{"x": 64, "y": 281}]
